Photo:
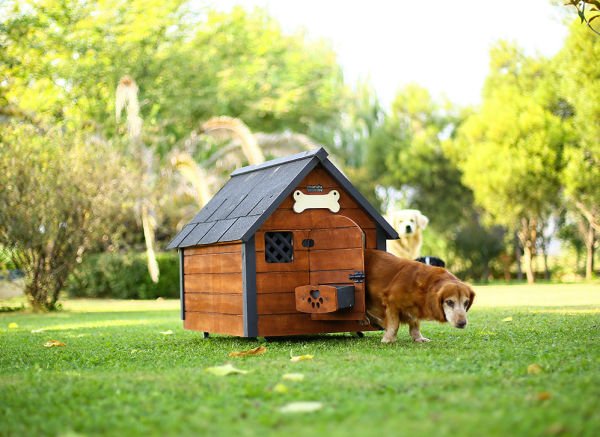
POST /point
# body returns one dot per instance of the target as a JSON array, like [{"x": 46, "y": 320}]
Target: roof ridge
[{"x": 320, "y": 153}]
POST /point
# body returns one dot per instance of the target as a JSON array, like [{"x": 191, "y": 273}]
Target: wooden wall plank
[
  {"x": 214, "y": 303},
  {"x": 214, "y": 323},
  {"x": 335, "y": 259},
  {"x": 213, "y": 248},
  {"x": 370, "y": 238},
  {"x": 298, "y": 324},
  {"x": 298, "y": 236},
  {"x": 287, "y": 219},
  {"x": 275, "y": 282},
  {"x": 299, "y": 263},
  {"x": 213, "y": 283},
  {"x": 214, "y": 263},
  {"x": 338, "y": 238},
  {"x": 276, "y": 303}
]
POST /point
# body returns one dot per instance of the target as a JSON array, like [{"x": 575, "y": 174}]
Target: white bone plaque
[{"x": 328, "y": 201}]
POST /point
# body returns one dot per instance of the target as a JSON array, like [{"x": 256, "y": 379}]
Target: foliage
[
  {"x": 588, "y": 11},
  {"x": 580, "y": 84},
  {"x": 124, "y": 276},
  {"x": 62, "y": 60},
  {"x": 61, "y": 196},
  {"x": 119, "y": 366},
  {"x": 511, "y": 150},
  {"x": 407, "y": 154}
]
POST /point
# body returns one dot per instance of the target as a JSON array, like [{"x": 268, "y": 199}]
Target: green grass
[{"x": 119, "y": 375}]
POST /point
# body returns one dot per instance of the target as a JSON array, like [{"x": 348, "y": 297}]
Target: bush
[{"x": 124, "y": 276}]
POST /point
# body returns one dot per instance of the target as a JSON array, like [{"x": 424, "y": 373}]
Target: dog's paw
[
  {"x": 422, "y": 340},
  {"x": 388, "y": 340}
]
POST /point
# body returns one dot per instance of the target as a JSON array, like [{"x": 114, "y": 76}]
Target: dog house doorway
[{"x": 336, "y": 271}]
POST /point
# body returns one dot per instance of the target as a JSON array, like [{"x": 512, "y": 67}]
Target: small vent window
[{"x": 279, "y": 247}]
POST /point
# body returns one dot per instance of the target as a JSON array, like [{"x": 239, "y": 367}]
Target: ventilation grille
[{"x": 279, "y": 247}]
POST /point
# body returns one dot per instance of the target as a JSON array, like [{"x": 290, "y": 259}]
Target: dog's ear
[
  {"x": 471, "y": 298},
  {"x": 422, "y": 221},
  {"x": 440, "y": 315}
]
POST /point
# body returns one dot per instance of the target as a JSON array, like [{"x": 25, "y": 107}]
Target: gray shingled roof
[{"x": 238, "y": 210}]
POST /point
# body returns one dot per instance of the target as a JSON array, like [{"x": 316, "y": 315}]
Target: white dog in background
[{"x": 409, "y": 223}]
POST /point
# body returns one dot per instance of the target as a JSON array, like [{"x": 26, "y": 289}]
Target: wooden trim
[
  {"x": 181, "y": 283},
  {"x": 381, "y": 239},
  {"x": 214, "y": 248},
  {"x": 249, "y": 268}
]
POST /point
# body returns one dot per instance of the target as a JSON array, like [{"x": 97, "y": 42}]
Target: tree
[
  {"x": 580, "y": 87},
  {"x": 60, "y": 61},
  {"x": 61, "y": 195},
  {"x": 511, "y": 150},
  {"x": 588, "y": 11}
]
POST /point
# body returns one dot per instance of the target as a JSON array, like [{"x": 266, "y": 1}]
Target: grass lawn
[{"x": 119, "y": 375}]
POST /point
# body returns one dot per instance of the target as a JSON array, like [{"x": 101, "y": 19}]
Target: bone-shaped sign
[{"x": 329, "y": 201}]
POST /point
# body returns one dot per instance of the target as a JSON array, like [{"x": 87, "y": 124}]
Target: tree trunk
[
  {"x": 528, "y": 237},
  {"x": 528, "y": 257},
  {"x": 518, "y": 258},
  {"x": 545, "y": 255},
  {"x": 589, "y": 253}
]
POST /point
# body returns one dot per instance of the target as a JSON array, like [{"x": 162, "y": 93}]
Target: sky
[{"x": 441, "y": 45}]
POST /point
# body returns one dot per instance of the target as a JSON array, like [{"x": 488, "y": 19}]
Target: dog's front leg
[
  {"x": 415, "y": 333},
  {"x": 392, "y": 323}
]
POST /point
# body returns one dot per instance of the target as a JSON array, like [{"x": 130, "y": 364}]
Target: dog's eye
[
  {"x": 466, "y": 303},
  {"x": 450, "y": 303}
]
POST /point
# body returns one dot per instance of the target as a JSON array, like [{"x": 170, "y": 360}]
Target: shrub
[
  {"x": 61, "y": 194},
  {"x": 124, "y": 276}
]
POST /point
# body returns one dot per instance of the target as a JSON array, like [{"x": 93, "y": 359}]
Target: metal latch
[
  {"x": 308, "y": 242},
  {"x": 357, "y": 276}
]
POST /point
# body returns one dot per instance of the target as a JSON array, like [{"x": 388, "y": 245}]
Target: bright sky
[{"x": 442, "y": 45}]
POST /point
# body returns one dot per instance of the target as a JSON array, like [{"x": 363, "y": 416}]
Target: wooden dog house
[{"x": 279, "y": 250}]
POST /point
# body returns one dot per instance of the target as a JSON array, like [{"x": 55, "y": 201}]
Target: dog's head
[
  {"x": 408, "y": 221},
  {"x": 455, "y": 298}
]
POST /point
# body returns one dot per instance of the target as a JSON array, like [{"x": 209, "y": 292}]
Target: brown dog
[{"x": 405, "y": 291}]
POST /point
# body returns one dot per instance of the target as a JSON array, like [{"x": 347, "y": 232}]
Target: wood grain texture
[
  {"x": 213, "y": 248},
  {"x": 370, "y": 238},
  {"x": 214, "y": 263},
  {"x": 287, "y": 219},
  {"x": 299, "y": 263},
  {"x": 336, "y": 259},
  {"x": 299, "y": 324},
  {"x": 213, "y": 283},
  {"x": 276, "y": 303},
  {"x": 214, "y": 303},
  {"x": 298, "y": 236},
  {"x": 316, "y": 299},
  {"x": 276, "y": 282},
  {"x": 214, "y": 323}
]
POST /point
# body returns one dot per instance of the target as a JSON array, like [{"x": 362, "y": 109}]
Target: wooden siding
[
  {"x": 213, "y": 288},
  {"x": 276, "y": 282}
]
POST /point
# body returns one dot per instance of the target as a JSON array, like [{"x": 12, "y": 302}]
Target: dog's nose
[
  {"x": 408, "y": 229},
  {"x": 461, "y": 324}
]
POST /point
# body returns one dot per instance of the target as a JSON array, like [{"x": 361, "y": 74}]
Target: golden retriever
[
  {"x": 406, "y": 291},
  {"x": 409, "y": 223}
]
